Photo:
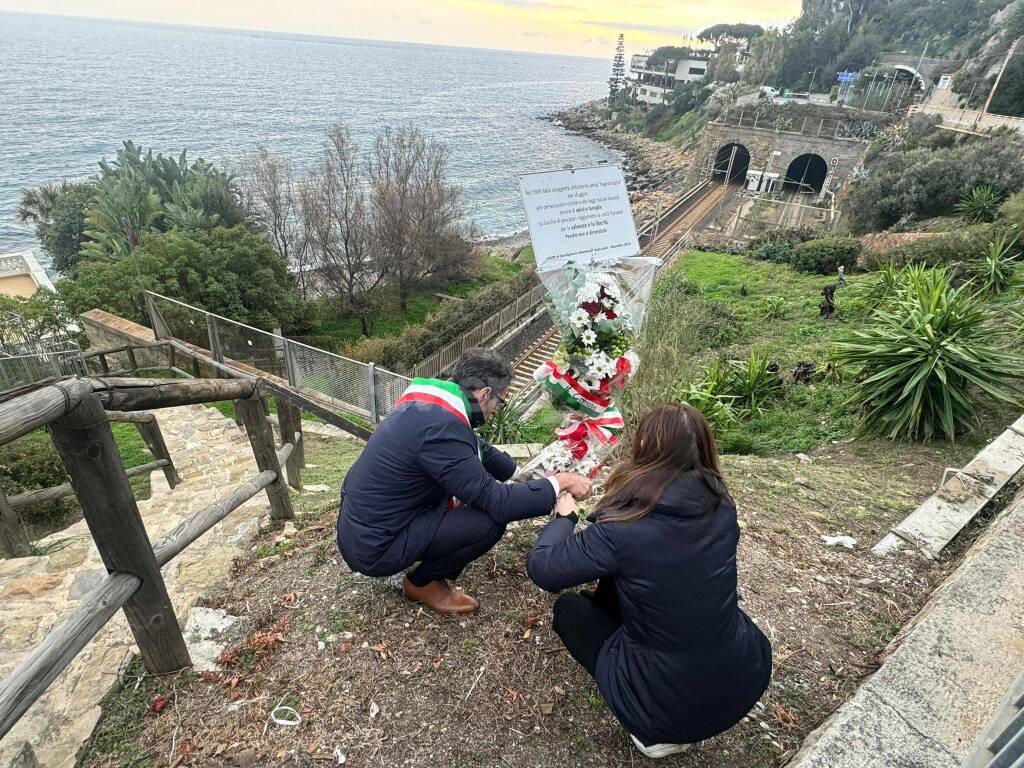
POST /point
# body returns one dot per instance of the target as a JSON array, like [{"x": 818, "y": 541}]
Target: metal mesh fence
[
  {"x": 350, "y": 385},
  {"x": 64, "y": 360}
]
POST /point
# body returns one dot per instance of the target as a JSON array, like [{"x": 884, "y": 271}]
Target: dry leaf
[
  {"x": 547, "y": 708},
  {"x": 527, "y": 633},
  {"x": 558, "y": 691},
  {"x": 437, "y": 662}
]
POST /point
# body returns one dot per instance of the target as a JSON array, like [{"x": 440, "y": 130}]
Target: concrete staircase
[
  {"x": 212, "y": 455},
  {"x": 540, "y": 351}
]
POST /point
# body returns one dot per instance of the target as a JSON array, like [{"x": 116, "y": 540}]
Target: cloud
[
  {"x": 530, "y": 4},
  {"x": 657, "y": 29}
]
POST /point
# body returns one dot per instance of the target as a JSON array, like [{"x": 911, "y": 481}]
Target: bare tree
[
  {"x": 339, "y": 229},
  {"x": 273, "y": 200},
  {"x": 416, "y": 212}
]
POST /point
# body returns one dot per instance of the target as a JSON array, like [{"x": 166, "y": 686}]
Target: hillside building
[{"x": 654, "y": 85}]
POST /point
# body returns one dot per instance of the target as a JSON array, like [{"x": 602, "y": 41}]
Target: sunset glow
[{"x": 579, "y": 27}]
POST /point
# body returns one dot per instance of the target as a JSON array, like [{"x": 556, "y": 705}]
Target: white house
[{"x": 654, "y": 85}]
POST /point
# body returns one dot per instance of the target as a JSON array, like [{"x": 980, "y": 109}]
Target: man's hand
[{"x": 577, "y": 485}]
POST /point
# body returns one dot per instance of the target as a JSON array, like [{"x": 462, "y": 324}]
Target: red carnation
[
  {"x": 592, "y": 307},
  {"x": 610, "y": 315},
  {"x": 579, "y": 450},
  {"x": 604, "y": 387},
  {"x": 623, "y": 366}
]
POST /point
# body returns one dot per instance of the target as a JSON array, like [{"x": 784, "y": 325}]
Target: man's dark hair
[{"x": 479, "y": 368}]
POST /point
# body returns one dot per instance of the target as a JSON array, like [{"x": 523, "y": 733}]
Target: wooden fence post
[
  {"x": 13, "y": 539},
  {"x": 154, "y": 439},
  {"x": 87, "y": 448},
  {"x": 261, "y": 437},
  {"x": 290, "y": 420}
]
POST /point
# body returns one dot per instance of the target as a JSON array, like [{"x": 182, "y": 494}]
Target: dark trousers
[
  {"x": 584, "y": 620},
  {"x": 464, "y": 535}
]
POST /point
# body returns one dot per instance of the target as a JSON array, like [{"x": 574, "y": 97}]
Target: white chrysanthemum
[
  {"x": 600, "y": 365},
  {"x": 607, "y": 302},
  {"x": 588, "y": 292},
  {"x": 580, "y": 318},
  {"x": 588, "y": 337}
]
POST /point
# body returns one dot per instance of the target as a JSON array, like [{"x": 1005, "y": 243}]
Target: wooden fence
[{"x": 78, "y": 413}]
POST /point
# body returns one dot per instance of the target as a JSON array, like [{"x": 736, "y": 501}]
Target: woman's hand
[{"x": 566, "y": 505}]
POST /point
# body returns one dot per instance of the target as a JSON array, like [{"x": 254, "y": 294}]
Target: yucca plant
[
  {"x": 774, "y": 308},
  {"x": 980, "y": 205},
  {"x": 753, "y": 381},
  {"x": 506, "y": 426},
  {"x": 929, "y": 361},
  {"x": 710, "y": 396},
  {"x": 997, "y": 268}
]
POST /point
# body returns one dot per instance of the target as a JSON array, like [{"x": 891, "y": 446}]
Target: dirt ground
[{"x": 380, "y": 682}]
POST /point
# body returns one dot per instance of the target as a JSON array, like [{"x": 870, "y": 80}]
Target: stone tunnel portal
[
  {"x": 740, "y": 163},
  {"x": 807, "y": 173}
]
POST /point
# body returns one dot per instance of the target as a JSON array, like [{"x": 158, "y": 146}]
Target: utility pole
[
  {"x": 810, "y": 88},
  {"x": 999, "y": 77},
  {"x": 728, "y": 180}
]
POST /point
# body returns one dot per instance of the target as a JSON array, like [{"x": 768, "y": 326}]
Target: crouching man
[{"x": 427, "y": 490}]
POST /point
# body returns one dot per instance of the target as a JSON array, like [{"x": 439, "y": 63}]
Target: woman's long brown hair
[{"x": 671, "y": 441}]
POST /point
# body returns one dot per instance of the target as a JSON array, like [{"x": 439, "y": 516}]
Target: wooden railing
[
  {"x": 78, "y": 413},
  {"x": 13, "y": 538}
]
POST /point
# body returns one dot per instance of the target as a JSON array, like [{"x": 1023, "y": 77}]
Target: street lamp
[{"x": 810, "y": 88}]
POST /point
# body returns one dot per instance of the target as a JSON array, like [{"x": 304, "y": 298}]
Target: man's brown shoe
[{"x": 441, "y": 597}]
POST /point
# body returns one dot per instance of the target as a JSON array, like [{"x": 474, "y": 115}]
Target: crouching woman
[{"x": 675, "y": 658}]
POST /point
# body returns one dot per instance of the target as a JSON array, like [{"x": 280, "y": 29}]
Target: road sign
[
  {"x": 847, "y": 77},
  {"x": 580, "y": 215}
]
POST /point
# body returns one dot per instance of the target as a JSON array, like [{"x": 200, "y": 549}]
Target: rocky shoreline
[{"x": 655, "y": 171}]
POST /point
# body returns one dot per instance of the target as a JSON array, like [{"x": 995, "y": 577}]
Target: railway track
[{"x": 542, "y": 349}]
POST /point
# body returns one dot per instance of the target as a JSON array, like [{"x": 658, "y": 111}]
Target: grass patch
[{"x": 712, "y": 306}]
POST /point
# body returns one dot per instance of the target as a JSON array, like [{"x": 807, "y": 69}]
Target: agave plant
[
  {"x": 979, "y": 205},
  {"x": 930, "y": 360},
  {"x": 997, "y": 268}
]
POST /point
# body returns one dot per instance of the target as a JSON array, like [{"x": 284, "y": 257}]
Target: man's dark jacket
[
  {"x": 394, "y": 496},
  {"x": 687, "y": 663}
]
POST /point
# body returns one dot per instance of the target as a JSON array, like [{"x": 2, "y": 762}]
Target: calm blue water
[{"x": 71, "y": 90}]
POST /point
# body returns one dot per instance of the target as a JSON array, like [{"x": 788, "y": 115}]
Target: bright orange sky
[{"x": 582, "y": 27}]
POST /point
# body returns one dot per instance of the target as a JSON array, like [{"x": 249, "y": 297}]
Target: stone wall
[
  {"x": 107, "y": 331},
  {"x": 773, "y": 151}
]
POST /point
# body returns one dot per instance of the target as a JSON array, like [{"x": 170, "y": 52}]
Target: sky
[{"x": 577, "y": 27}]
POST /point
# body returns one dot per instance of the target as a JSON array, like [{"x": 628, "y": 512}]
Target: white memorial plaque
[{"x": 580, "y": 215}]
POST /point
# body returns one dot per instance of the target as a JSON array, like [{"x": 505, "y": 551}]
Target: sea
[{"x": 72, "y": 90}]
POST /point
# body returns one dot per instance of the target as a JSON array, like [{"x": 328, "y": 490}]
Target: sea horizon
[{"x": 220, "y": 93}]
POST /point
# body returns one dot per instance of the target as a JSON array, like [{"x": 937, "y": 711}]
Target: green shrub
[
  {"x": 980, "y": 205},
  {"x": 30, "y": 464},
  {"x": 931, "y": 181},
  {"x": 1012, "y": 211},
  {"x": 776, "y": 253},
  {"x": 774, "y": 308},
  {"x": 449, "y": 321},
  {"x": 946, "y": 249},
  {"x": 712, "y": 397},
  {"x": 929, "y": 361},
  {"x": 825, "y": 255}
]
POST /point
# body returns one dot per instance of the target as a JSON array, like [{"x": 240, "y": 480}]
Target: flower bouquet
[{"x": 599, "y": 307}]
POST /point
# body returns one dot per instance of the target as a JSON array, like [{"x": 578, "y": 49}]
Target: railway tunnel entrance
[
  {"x": 740, "y": 164},
  {"x": 807, "y": 173}
]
